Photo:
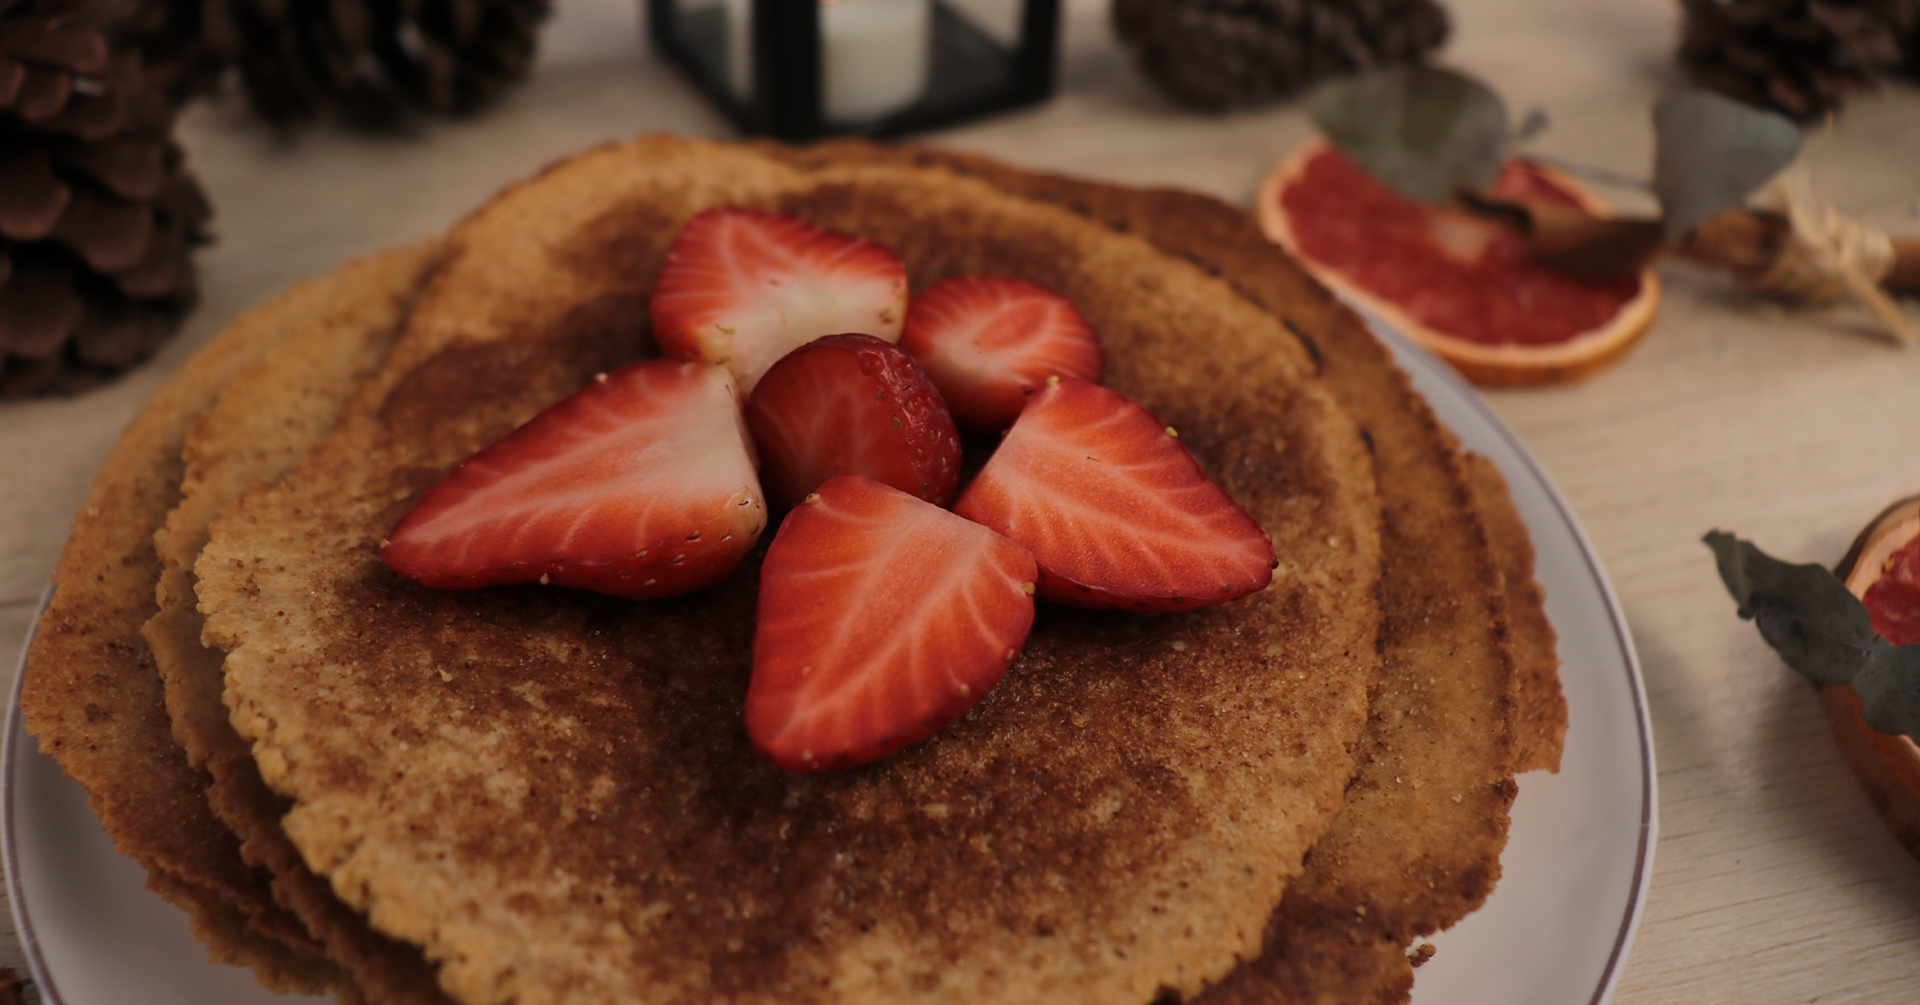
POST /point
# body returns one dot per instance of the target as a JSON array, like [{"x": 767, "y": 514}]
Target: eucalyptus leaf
[
  {"x": 1803, "y": 611},
  {"x": 1711, "y": 152},
  {"x": 1532, "y": 124},
  {"x": 1422, "y": 131},
  {"x": 1889, "y": 689}
]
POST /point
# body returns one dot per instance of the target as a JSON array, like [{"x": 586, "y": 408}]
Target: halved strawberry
[
  {"x": 1114, "y": 509},
  {"x": 848, "y": 404},
  {"x": 990, "y": 341},
  {"x": 881, "y": 618},
  {"x": 744, "y": 287},
  {"x": 640, "y": 485}
]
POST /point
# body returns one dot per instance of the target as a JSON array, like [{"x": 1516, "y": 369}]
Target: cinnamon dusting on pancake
[
  {"x": 513, "y": 761},
  {"x": 813, "y": 880}
]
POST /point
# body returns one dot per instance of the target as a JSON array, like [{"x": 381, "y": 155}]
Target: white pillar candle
[
  {"x": 740, "y": 49},
  {"x": 873, "y": 55}
]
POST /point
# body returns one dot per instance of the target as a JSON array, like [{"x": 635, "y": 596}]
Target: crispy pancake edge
[
  {"x": 1541, "y": 731},
  {"x": 94, "y": 701},
  {"x": 279, "y": 770},
  {"x": 270, "y": 413}
]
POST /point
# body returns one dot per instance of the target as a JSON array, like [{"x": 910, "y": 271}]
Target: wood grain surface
[{"x": 1774, "y": 879}]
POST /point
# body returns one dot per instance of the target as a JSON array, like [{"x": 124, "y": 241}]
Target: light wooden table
[{"x": 1774, "y": 881}]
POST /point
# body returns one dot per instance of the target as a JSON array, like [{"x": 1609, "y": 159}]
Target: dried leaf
[
  {"x": 1889, "y": 689},
  {"x": 1803, "y": 611},
  {"x": 1711, "y": 152},
  {"x": 1823, "y": 631},
  {"x": 1422, "y": 131},
  {"x": 1532, "y": 124}
]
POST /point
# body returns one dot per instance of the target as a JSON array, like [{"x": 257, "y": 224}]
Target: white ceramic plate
[{"x": 1555, "y": 932}]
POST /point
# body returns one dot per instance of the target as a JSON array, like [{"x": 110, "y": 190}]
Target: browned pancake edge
[
  {"x": 93, "y": 698},
  {"x": 268, "y": 414},
  {"x": 1541, "y": 730}
]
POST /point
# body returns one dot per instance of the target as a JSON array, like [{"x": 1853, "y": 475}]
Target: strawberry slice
[
  {"x": 990, "y": 341},
  {"x": 1114, "y": 509},
  {"x": 881, "y": 618},
  {"x": 640, "y": 485},
  {"x": 744, "y": 287},
  {"x": 848, "y": 404}
]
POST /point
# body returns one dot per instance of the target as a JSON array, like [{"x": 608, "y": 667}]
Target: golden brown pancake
[
  {"x": 264, "y": 419},
  {"x": 1303, "y": 962},
  {"x": 248, "y": 436},
  {"x": 551, "y": 791}
]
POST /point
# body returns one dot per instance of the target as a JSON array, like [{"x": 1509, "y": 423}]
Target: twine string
[{"x": 1828, "y": 256}]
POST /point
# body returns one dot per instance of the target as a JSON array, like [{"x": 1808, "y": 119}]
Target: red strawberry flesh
[
  {"x": 1114, "y": 509},
  {"x": 881, "y": 618},
  {"x": 640, "y": 485},
  {"x": 743, "y": 287},
  {"x": 990, "y": 341},
  {"x": 852, "y": 404}
]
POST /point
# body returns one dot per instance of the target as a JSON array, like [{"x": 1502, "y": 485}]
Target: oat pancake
[
  {"x": 1338, "y": 969},
  {"x": 1399, "y": 862},
  {"x": 264, "y": 419},
  {"x": 1326, "y": 964},
  {"x": 551, "y": 791},
  {"x": 94, "y": 701}
]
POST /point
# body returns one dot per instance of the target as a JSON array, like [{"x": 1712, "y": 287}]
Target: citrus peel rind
[
  {"x": 1492, "y": 364},
  {"x": 1888, "y": 766}
]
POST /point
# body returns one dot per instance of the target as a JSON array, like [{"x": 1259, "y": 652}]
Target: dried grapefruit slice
[
  {"x": 1459, "y": 284},
  {"x": 1883, "y": 569}
]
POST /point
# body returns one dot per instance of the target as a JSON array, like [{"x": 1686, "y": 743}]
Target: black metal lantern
[{"x": 800, "y": 69}]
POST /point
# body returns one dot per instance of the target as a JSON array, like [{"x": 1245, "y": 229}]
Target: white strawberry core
[{"x": 791, "y": 311}]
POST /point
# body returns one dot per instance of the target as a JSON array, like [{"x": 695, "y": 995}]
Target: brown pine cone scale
[
  {"x": 31, "y": 197},
  {"x": 378, "y": 64},
  {"x": 98, "y": 217},
  {"x": 1227, "y": 53},
  {"x": 1802, "y": 58}
]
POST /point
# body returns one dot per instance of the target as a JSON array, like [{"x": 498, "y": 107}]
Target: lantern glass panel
[
  {"x": 999, "y": 20},
  {"x": 874, "y": 56},
  {"x": 880, "y": 67}
]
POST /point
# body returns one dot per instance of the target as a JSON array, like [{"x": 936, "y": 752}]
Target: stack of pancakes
[{"x": 528, "y": 794}]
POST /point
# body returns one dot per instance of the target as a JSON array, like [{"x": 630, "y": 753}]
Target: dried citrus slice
[
  {"x": 1883, "y": 569},
  {"x": 1462, "y": 285}
]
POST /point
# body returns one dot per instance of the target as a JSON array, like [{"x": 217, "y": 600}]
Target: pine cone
[
  {"x": 97, "y": 214},
  {"x": 1802, "y": 58},
  {"x": 1223, "y": 53},
  {"x": 374, "y": 63}
]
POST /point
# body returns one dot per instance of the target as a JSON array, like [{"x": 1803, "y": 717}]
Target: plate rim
[{"x": 10, "y": 737}]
